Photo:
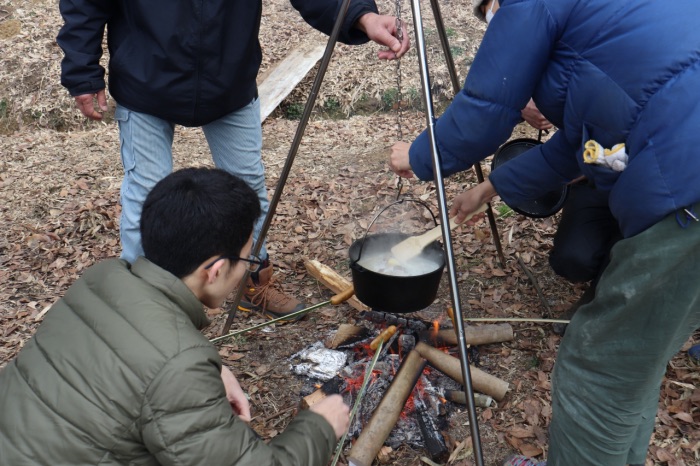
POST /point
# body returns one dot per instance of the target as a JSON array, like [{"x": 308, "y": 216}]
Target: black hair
[{"x": 194, "y": 214}]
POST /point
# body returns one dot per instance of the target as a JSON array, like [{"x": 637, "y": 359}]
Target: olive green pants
[{"x": 605, "y": 386}]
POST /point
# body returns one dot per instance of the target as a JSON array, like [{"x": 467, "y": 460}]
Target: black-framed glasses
[{"x": 254, "y": 262}]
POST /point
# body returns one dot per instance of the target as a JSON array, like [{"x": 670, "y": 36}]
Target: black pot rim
[
  {"x": 529, "y": 143},
  {"x": 394, "y": 293}
]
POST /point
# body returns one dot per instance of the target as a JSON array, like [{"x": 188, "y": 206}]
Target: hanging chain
[{"x": 399, "y": 96}]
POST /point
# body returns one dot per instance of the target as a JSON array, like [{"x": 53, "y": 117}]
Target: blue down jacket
[
  {"x": 187, "y": 62},
  {"x": 615, "y": 72}
]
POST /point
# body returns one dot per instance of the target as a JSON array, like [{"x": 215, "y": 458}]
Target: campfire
[{"x": 413, "y": 387}]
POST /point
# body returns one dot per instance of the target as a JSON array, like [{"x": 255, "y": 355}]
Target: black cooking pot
[
  {"x": 394, "y": 293},
  {"x": 545, "y": 206}
]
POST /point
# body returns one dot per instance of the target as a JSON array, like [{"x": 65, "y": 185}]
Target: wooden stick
[
  {"x": 383, "y": 336},
  {"x": 340, "y": 298},
  {"x": 516, "y": 319},
  {"x": 375, "y": 433},
  {"x": 475, "y": 335},
  {"x": 450, "y": 366},
  {"x": 333, "y": 281},
  {"x": 533, "y": 280}
]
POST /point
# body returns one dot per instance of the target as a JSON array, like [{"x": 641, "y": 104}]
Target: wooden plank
[{"x": 284, "y": 77}]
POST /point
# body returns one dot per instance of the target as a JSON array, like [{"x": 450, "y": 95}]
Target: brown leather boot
[{"x": 262, "y": 294}]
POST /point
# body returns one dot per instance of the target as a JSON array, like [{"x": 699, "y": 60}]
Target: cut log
[
  {"x": 375, "y": 433},
  {"x": 480, "y": 400},
  {"x": 346, "y": 334},
  {"x": 451, "y": 366},
  {"x": 331, "y": 387},
  {"x": 333, "y": 281},
  {"x": 310, "y": 400},
  {"x": 473, "y": 334},
  {"x": 285, "y": 76}
]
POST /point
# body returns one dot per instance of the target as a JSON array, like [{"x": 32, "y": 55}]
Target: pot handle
[{"x": 400, "y": 201}]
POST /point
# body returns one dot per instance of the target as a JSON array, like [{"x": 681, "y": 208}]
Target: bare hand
[
  {"x": 470, "y": 200},
  {"x": 86, "y": 105},
  {"x": 534, "y": 117},
  {"x": 335, "y": 411},
  {"x": 399, "y": 161},
  {"x": 382, "y": 30},
  {"x": 234, "y": 394}
]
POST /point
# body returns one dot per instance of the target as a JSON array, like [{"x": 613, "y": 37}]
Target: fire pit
[{"x": 404, "y": 401}]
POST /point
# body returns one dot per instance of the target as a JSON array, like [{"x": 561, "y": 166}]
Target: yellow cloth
[{"x": 615, "y": 158}]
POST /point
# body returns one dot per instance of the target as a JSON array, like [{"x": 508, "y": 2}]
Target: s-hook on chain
[{"x": 399, "y": 116}]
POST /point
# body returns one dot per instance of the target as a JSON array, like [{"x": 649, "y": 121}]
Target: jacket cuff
[
  {"x": 88, "y": 87},
  {"x": 419, "y": 157},
  {"x": 351, "y": 35}
]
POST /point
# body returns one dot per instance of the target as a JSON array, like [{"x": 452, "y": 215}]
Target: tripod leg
[
  {"x": 446, "y": 235},
  {"x": 325, "y": 60}
]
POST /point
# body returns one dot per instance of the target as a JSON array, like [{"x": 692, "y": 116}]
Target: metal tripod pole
[
  {"x": 452, "y": 69},
  {"x": 325, "y": 60},
  {"x": 447, "y": 239}
]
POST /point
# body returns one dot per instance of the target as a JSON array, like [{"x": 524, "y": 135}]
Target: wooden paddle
[{"x": 413, "y": 246}]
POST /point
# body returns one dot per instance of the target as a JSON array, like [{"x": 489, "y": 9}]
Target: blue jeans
[{"x": 235, "y": 142}]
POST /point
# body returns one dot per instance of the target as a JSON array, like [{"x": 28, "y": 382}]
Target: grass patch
[
  {"x": 504, "y": 211},
  {"x": 4, "y": 106},
  {"x": 389, "y": 98},
  {"x": 294, "y": 111}
]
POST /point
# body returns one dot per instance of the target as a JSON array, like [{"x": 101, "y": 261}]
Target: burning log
[
  {"x": 480, "y": 400},
  {"x": 432, "y": 400},
  {"x": 474, "y": 335},
  {"x": 375, "y": 433},
  {"x": 432, "y": 437},
  {"x": 407, "y": 343},
  {"x": 449, "y": 365},
  {"x": 331, "y": 279},
  {"x": 331, "y": 387}
]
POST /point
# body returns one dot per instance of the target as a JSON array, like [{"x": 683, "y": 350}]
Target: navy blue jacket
[
  {"x": 615, "y": 72},
  {"x": 188, "y": 62}
]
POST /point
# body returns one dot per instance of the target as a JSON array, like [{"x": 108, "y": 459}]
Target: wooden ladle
[{"x": 413, "y": 246}]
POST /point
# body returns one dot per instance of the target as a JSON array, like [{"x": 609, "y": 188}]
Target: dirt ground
[{"x": 59, "y": 201}]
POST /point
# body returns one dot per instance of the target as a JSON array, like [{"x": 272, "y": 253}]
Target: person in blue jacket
[
  {"x": 621, "y": 81},
  {"x": 192, "y": 64},
  {"x": 586, "y": 230}
]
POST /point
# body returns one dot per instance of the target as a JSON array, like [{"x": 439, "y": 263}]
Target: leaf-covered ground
[{"x": 59, "y": 189}]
